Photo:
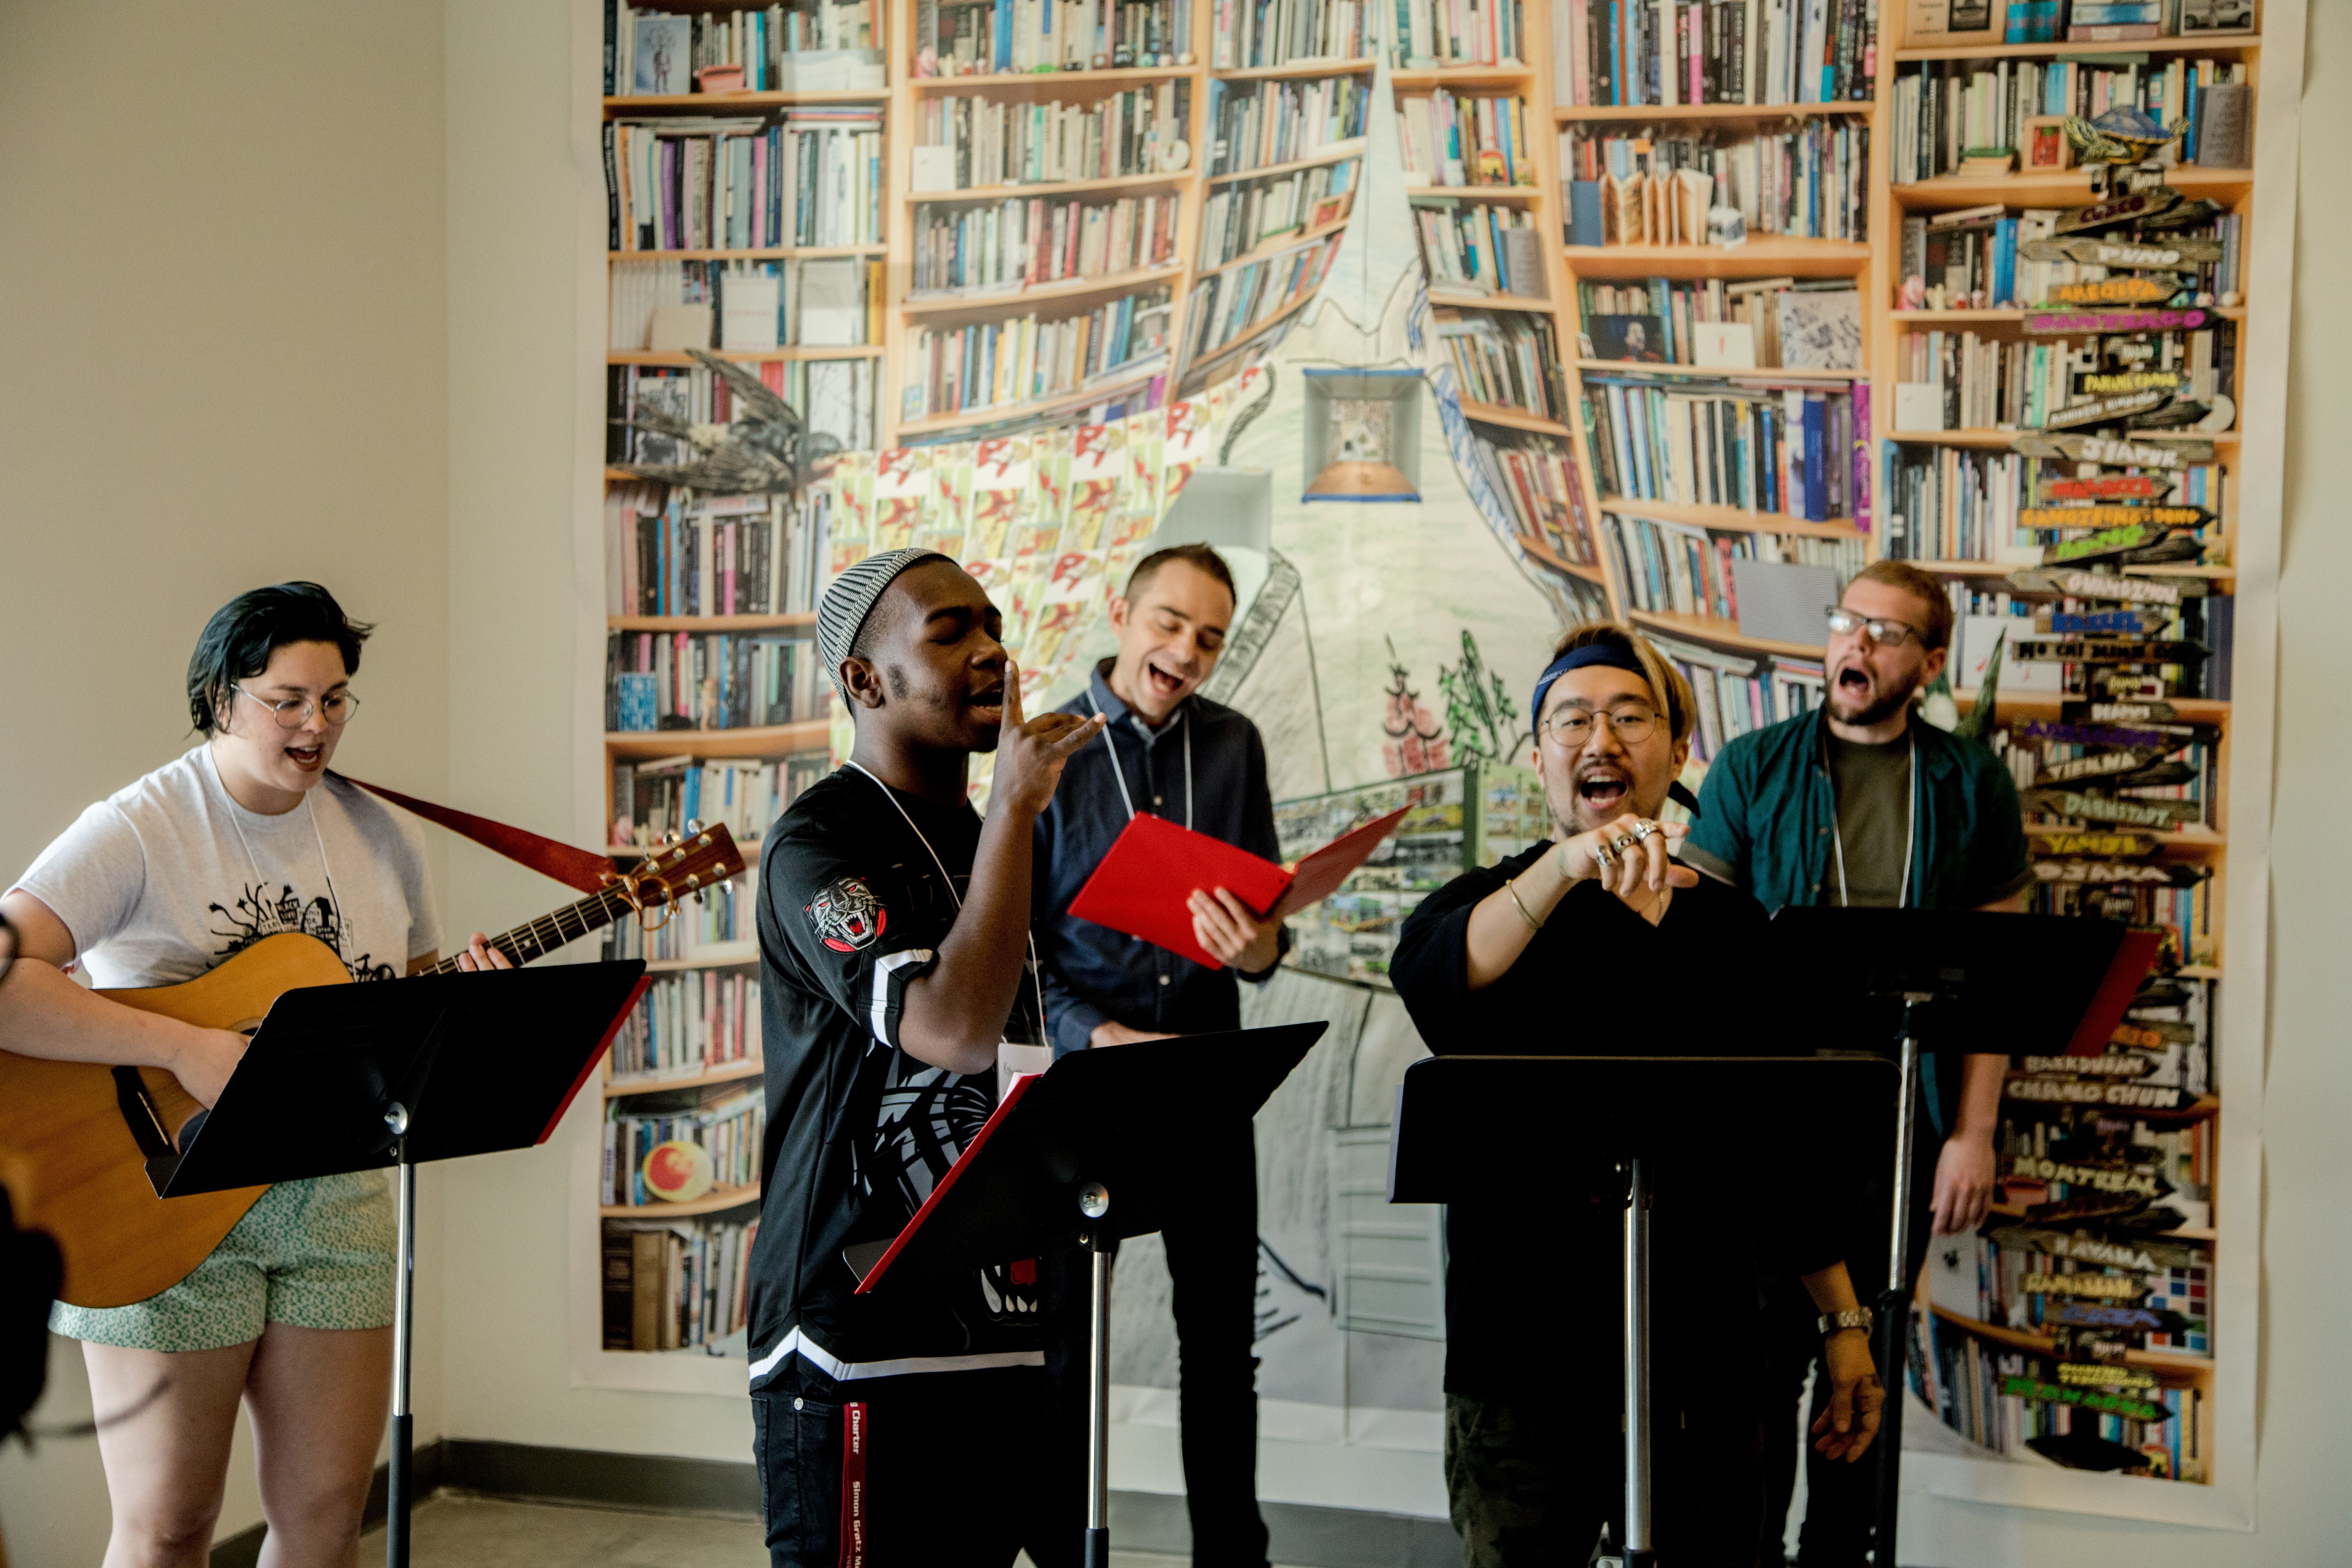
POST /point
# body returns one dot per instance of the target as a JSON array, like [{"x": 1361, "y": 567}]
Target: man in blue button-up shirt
[{"x": 1176, "y": 755}]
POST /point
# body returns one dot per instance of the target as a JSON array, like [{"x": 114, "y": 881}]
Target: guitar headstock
[{"x": 703, "y": 859}]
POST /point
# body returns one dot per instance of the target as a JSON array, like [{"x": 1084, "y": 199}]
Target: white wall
[{"x": 221, "y": 281}]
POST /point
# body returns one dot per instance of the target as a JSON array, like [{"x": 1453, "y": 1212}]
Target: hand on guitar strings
[{"x": 480, "y": 954}]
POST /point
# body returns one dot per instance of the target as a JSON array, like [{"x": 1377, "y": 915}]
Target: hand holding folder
[{"x": 1142, "y": 885}]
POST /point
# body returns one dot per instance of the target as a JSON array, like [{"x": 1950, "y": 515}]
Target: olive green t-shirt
[{"x": 1873, "y": 783}]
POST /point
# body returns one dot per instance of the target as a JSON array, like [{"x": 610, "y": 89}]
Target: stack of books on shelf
[
  {"x": 1228, "y": 304},
  {"x": 727, "y": 1122},
  {"x": 719, "y": 928},
  {"x": 1255, "y": 34},
  {"x": 709, "y": 680},
  {"x": 1449, "y": 140},
  {"x": 1810, "y": 181},
  {"x": 969, "y": 141},
  {"x": 1738, "y": 692},
  {"x": 986, "y": 38},
  {"x": 679, "y": 1286},
  {"x": 975, "y": 252},
  {"x": 1456, "y": 32},
  {"x": 1255, "y": 214},
  {"x": 1016, "y": 359},
  {"x": 683, "y": 553},
  {"x": 1505, "y": 361},
  {"x": 1673, "y": 568},
  {"x": 1480, "y": 247},
  {"x": 827, "y": 45},
  {"x": 1536, "y": 478},
  {"x": 1958, "y": 381},
  {"x": 1983, "y": 257},
  {"x": 1943, "y": 107},
  {"x": 1255, "y": 125},
  {"x": 653, "y": 798},
  {"x": 1634, "y": 53},
  {"x": 697, "y": 182},
  {"x": 1791, "y": 452},
  {"x": 1768, "y": 323},
  {"x": 686, "y": 1026}
]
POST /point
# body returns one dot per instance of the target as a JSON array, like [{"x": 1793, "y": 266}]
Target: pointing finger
[{"x": 1010, "y": 723}]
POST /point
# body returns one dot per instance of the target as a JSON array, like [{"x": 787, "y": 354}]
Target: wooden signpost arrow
[
  {"x": 2164, "y": 254},
  {"x": 2117, "y": 410},
  {"x": 2101, "y": 650},
  {"x": 2097, "y": 586},
  {"x": 2141, "y": 454},
  {"x": 2063, "y": 322},
  {"x": 2109, "y": 516},
  {"x": 2101, "y": 487},
  {"x": 2136, "y": 291},
  {"x": 2129, "y": 811},
  {"x": 2138, "y": 208}
]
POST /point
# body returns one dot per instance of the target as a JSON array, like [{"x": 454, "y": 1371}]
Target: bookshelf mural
[{"x": 1447, "y": 340}]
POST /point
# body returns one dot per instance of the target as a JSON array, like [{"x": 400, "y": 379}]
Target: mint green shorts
[{"x": 315, "y": 1254}]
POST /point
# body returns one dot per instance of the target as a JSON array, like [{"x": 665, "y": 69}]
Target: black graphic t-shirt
[{"x": 852, "y": 910}]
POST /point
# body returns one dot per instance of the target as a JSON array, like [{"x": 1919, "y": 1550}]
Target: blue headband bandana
[{"x": 1609, "y": 654}]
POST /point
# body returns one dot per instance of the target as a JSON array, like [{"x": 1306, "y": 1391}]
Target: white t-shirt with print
[{"x": 169, "y": 877}]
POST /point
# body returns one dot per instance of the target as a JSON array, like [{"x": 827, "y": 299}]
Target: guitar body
[{"x": 74, "y": 1167}]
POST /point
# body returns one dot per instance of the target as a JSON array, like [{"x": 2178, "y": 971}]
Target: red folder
[
  {"x": 2133, "y": 956},
  {"x": 1142, "y": 885}
]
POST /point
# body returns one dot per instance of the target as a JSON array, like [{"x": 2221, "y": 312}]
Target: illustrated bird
[{"x": 761, "y": 452}]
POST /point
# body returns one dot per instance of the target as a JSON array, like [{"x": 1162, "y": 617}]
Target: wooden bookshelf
[
  {"x": 732, "y": 1073},
  {"x": 719, "y": 1200}
]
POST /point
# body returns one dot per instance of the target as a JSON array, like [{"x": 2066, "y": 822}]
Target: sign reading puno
[{"x": 2090, "y": 252}]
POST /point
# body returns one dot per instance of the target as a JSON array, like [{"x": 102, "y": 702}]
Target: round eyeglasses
[
  {"x": 336, "y": 708},
  {"x": 1571, "y": 727}
]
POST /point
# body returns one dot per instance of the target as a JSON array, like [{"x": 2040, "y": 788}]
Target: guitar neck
[{"x": 542, "y": 936}]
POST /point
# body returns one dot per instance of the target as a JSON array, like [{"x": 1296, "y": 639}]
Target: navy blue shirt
[{"x": 1093, "y": 974}]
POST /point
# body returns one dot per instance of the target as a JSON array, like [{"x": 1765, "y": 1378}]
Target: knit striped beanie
[{"x": 852, "y": 597}]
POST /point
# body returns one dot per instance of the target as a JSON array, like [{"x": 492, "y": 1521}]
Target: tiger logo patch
[{"x": 847, "y": 916}]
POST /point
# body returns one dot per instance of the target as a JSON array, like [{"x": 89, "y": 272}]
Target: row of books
[
  {"x": 1482, "y": 247},
  {"x": 1228, "y": 304},
  {"x": 707, "y": 680},
  {"x": 1799, "y": 451},
  {"x": 679, "y": 1286},
  {"x": 837, "y": 397},
  {"x": 829, "y": 44},
  {"x": 679, "y": 552},
  {"x": 1448, "y": 139},
  {"x": 968, "y": 140},
  {"x": 1250, "y": 214},
  {"x": 745, "y": 306},
  {"x": 720, "y": 929},
  {"x": 1720, "y": 324},
  {"x": 660, "y": 797},
  {"x": 962, "y": 37},
  {"x": 685, "y": 1025},
  {"x": 1636, "y": 52},
  {"x": 1022, "y": 359},
  {"x": 1680, "y": 569},
  {"x": 1457, "y": 33},
  {"x": 1948, "y": 503},
  {"x": 1536, "y": 479},
  {"x": 705, "y": 183},
  {"x": 1965, "y": 1389},
  {"x": 1252, "y": 35},
  {"x": 1738, "y": 692},
  {"x": 726, "y": 1125},
  {"x": 1958, "y": 381},
  {"x": 1016, "y": 244},
  {"x": 1944, "y": 109},
  {"x": 1509, "y": 360},
  {"x": 1810, "y": 181},
  {"x": 1255, "y": 125}
]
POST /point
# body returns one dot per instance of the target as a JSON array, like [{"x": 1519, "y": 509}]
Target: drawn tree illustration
[{"x": 1484, "y": 721}]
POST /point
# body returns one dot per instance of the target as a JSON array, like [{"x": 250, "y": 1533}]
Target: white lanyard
[
  {"x": 887, "y": 794},
  {"x": 1119, "y": 774},
  {"x": 1910, "y": 827}
]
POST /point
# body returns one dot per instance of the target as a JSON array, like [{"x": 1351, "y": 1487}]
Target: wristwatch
[{"x": 1832, "y": 1322}]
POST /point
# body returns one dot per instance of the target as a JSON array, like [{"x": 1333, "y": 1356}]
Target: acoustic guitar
[{"x": 74, "y": 1136}]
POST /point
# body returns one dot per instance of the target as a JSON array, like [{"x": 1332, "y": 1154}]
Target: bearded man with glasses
[
  {"x": 1861, "y": 802},
  {"x": 1594, "y": 942}
]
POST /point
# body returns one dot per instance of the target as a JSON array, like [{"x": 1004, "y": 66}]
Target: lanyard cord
[
  {"x": 334, "y": 900},
  {"x": 887, "y": 794},
  {"x": 1119, "y": 774},
  {"x": 1910, "y": 827}
]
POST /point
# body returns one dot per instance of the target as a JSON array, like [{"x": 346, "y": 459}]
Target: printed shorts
[{"x": 315, "y": 1254}]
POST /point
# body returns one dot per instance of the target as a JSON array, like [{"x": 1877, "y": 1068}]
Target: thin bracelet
[{"x": 1533, "y": 923}]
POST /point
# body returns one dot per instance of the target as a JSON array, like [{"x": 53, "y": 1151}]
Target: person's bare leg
[
  {"x": 167, "y": 1463},
  {"x": 319, "y": 1400}
]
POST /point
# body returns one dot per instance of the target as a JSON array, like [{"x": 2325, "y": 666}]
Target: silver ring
[
  {"x": 1624, "y": 841},
  {"x": 1601, "y": 856},
  {"x": 1642, "y": 829}
]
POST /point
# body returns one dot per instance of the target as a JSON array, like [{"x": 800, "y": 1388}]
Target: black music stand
[
  {"x": 1088, "y": 1152},
  {"x": 400, "y": 1072},
  {"x": 1950, "y": 983},
  {"x": 1470, "y": 1126}
]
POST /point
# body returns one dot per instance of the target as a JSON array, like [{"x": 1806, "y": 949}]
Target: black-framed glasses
[
  {"x": 1884, "y": 633},
  {"x": 336, "y": 708},
  {"x": 1571, "y": 727}
]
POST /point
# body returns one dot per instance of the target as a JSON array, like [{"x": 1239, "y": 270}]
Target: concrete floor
[{"x": 457, "y": 1531}]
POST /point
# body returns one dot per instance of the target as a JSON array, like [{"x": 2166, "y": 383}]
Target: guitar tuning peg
[
  {"x": 693, "y": 826},
  {"x": 697, "y": 898},
  {"x": 672, "y": 836}
]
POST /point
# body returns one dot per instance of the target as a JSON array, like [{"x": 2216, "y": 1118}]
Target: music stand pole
[
  {"x": 1094, "y": 1203},
  {"x": 1639, "y": 1553},
  {"x": 398, "y": 1500},
  {"x": 1895, "y": 1306}
]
